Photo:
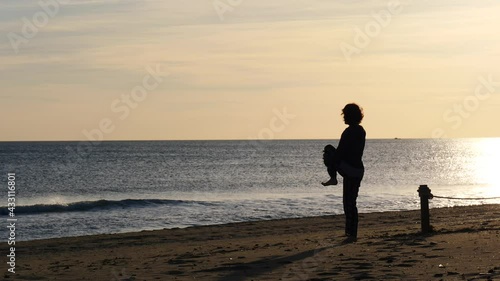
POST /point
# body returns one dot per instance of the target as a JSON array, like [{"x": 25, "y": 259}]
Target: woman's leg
[
  {"x": 350, "y": 195},
  {"x": 330, "y": 160}
]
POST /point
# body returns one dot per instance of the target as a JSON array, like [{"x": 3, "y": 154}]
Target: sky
[{"x": 247, "y": 69}]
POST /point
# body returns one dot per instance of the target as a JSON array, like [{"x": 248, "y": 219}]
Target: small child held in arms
[{"x": 329, "y": 160}]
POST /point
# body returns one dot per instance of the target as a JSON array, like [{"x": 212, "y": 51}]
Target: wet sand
[{"x": 464, "y": 246}]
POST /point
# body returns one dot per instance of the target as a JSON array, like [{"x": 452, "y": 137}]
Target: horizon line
[{"x": 186, "y": 140}]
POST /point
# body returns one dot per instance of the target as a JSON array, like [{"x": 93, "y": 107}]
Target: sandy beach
[{"x": 464, "y": 246}]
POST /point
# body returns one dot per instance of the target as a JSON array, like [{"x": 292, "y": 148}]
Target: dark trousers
[
  {"x": 350, "y": 195},
  {"x": 332, "y": 172}
]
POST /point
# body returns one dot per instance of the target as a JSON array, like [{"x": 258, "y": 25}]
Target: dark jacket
[{"x": 351, "y": 146}]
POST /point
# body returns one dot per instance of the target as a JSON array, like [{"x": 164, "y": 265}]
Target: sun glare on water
[{"x": 487, "y": 163}]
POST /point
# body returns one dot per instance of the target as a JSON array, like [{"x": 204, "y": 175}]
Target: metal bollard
[{"x": 425, "y": 194}]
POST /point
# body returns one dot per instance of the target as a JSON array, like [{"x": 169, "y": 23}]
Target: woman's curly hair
[{"x": 353, "y": 114}]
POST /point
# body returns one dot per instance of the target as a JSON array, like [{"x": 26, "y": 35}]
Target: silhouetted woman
[{"x": 350, "y": 166}]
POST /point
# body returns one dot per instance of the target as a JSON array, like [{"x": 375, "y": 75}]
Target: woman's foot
[
  {"x": 350, "y": 240},
  {"x": 332, "y": 181}
]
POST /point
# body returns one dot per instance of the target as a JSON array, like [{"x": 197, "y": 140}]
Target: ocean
[{"x": 77, "y": 188}]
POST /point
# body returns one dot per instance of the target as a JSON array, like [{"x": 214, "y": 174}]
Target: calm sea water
[{"x": 66, "y": 189}]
